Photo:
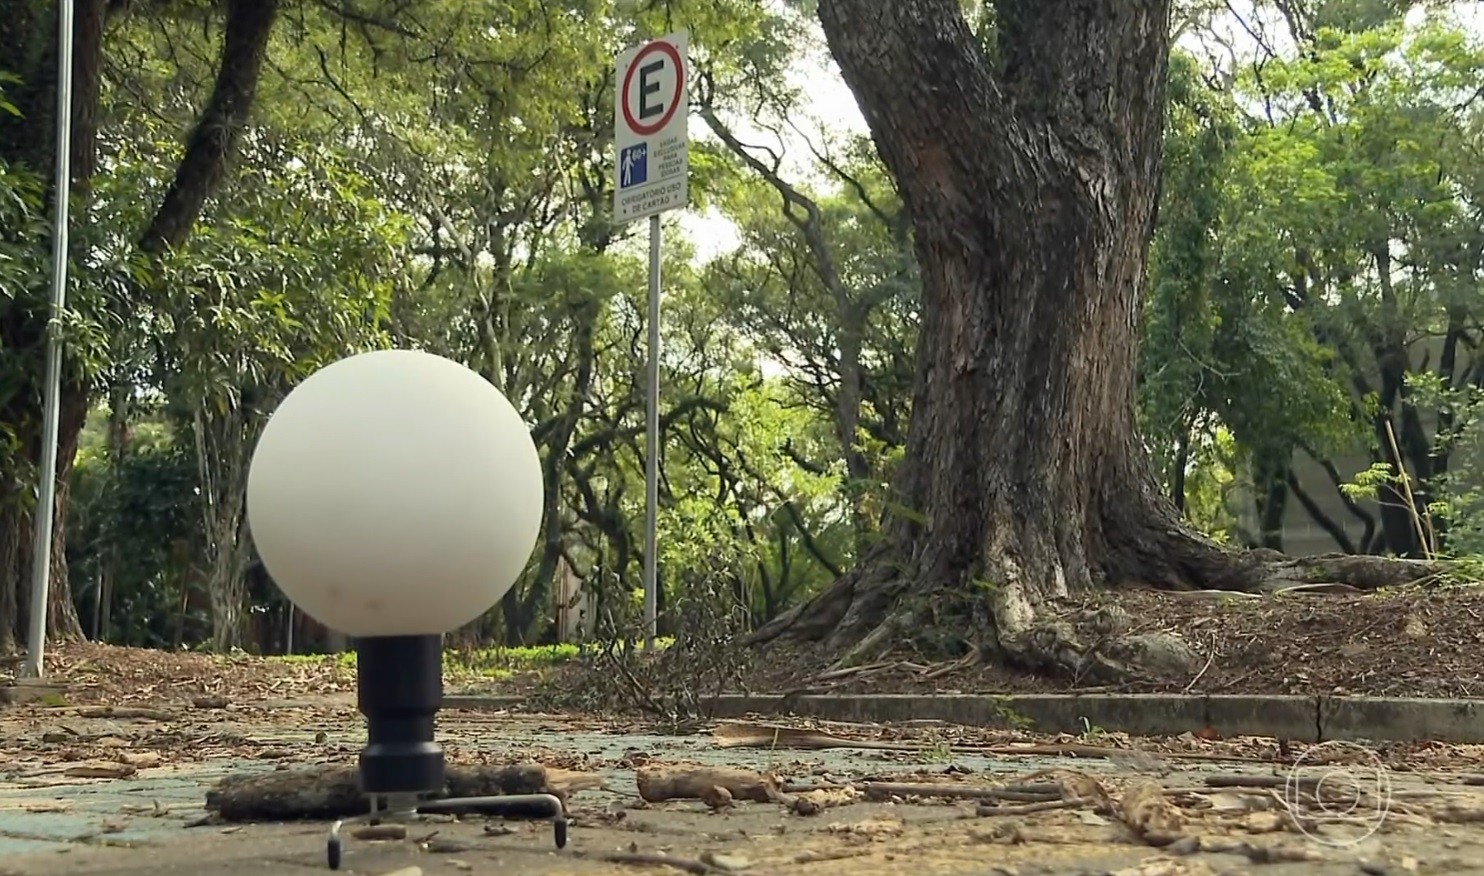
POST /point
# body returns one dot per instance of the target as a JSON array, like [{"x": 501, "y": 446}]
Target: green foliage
[
  {"x": 23, "y": 275},
  {"x": 1318, "y": 227},
  {"x": 135, "y": 517},
  {"x": 1459, "y": 502},
  {"x": 422, "y": 179}
]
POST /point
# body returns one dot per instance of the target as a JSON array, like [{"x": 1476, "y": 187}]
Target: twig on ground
[
  {"x": 125, "y": 712},
  {"x": 878, "y": 790},
  {"x": 644, "y": 859},
  {"x": 848, "y": 671},
  {"x": 970, "y": 659},
  {"x": 1209, "y": 657},
  {"x": 985, "y": 809}
]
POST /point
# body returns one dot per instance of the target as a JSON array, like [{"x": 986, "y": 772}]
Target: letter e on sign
[{"x": 653, "y": 88}]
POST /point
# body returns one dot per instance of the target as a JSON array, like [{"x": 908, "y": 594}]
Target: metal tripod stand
[{"x": 405, "y": 807}]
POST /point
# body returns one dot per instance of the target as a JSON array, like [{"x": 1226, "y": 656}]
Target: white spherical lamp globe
[{"x": 395, "y": 493}]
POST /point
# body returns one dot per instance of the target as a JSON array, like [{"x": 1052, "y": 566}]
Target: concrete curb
[{"x": 1303, "y": 718}]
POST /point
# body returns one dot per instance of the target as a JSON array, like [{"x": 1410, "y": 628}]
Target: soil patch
[
  {"x": 113, "y": 675},
  {"x": 1417, "y": 642},
  {"x": 1414, "y": 642}
]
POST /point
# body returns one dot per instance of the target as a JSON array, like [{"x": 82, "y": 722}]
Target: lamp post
[{"x": 394, "y": 496}]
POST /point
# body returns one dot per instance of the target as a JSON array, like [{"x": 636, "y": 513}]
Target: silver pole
[
  {"x": 652, "y": 444},
  {"x": 46, "y": 491}
]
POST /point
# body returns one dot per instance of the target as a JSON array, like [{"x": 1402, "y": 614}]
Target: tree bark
[
  {"x": 62, "y": 623},
  {"x": 1032, "y": 189},
  {"x": 1270, "y": 486}
]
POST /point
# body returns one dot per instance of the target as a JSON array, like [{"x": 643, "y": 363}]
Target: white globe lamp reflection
[{"x": 393, "y": 496}]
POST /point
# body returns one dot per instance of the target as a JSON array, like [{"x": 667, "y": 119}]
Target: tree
[
  {"x": 28, "y": 33},
  {"x": 1316, "y": 262},
  {"x": 1222, "y": 357},
  {"x": 822, "y": 285},
  {"x": 1029, "y": 163}
]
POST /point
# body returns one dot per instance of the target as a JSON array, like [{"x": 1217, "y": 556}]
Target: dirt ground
[
  {"x": 1419, "y": 642},
  {"x": 132, "y": 740},
  {"x": 1415, "y": 642},
  {"x": 853, "y": 800}
]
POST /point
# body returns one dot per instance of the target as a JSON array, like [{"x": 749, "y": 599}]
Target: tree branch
[
  {"x": 1318, "y": 515},
  {"x": 215, "y": 137}
]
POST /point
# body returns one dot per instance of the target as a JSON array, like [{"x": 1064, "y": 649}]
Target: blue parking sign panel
[{"x": 633, "y": 166}]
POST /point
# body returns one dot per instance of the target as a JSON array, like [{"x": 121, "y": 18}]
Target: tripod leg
[
  {"x": 335, "y": 846},
  {"x": 540, "y": 807}
]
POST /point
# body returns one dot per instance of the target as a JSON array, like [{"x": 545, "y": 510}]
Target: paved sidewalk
[{"x": 51, "y": 825}]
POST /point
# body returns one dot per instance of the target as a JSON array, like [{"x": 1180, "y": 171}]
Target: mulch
[
  {"x": 1414, "y": 642},
  {"x": 100, "y": 674},
  {"x": 1420, "y": 643}
]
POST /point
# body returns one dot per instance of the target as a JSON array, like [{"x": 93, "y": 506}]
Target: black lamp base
[{"x": 399, "y": 688}]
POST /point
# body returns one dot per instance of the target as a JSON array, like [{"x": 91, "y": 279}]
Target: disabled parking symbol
[{"x": 634, "y": 165}]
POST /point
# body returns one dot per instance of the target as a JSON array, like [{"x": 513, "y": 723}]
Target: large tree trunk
[
  {"x": 1032, "y": 186},
  {"x": 62, "y": 624},
  {"x": 17, "y": 539}
]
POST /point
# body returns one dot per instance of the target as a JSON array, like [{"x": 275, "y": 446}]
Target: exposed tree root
[{"x": 1014, "y": 615}]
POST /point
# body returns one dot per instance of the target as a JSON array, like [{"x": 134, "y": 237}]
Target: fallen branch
[
  {"x": 882, "y": 790},
  {"x": 984, "y": 809},
  {"x": 816, "y": 801},
  {"x": 1151, "y": 817},
  {"x": 1454, "y": 813},
  {"x": 334, "y": 791},
  {"x": 125, "y": 713},
  {"x": 381, "y": 832},
  {"x": 662, "y": 782},
  {"x": 773, "y": 736},
  {"x": 100, "y": 771}
]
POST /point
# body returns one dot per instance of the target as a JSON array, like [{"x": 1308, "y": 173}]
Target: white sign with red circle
[{"x": 651, "y": 102}]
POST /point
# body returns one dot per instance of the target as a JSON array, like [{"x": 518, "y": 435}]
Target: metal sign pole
[
  {"x": 652, "y": 445},
  {"x": 46, "y": 492},
  {"x": 651, "y": 166}
]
